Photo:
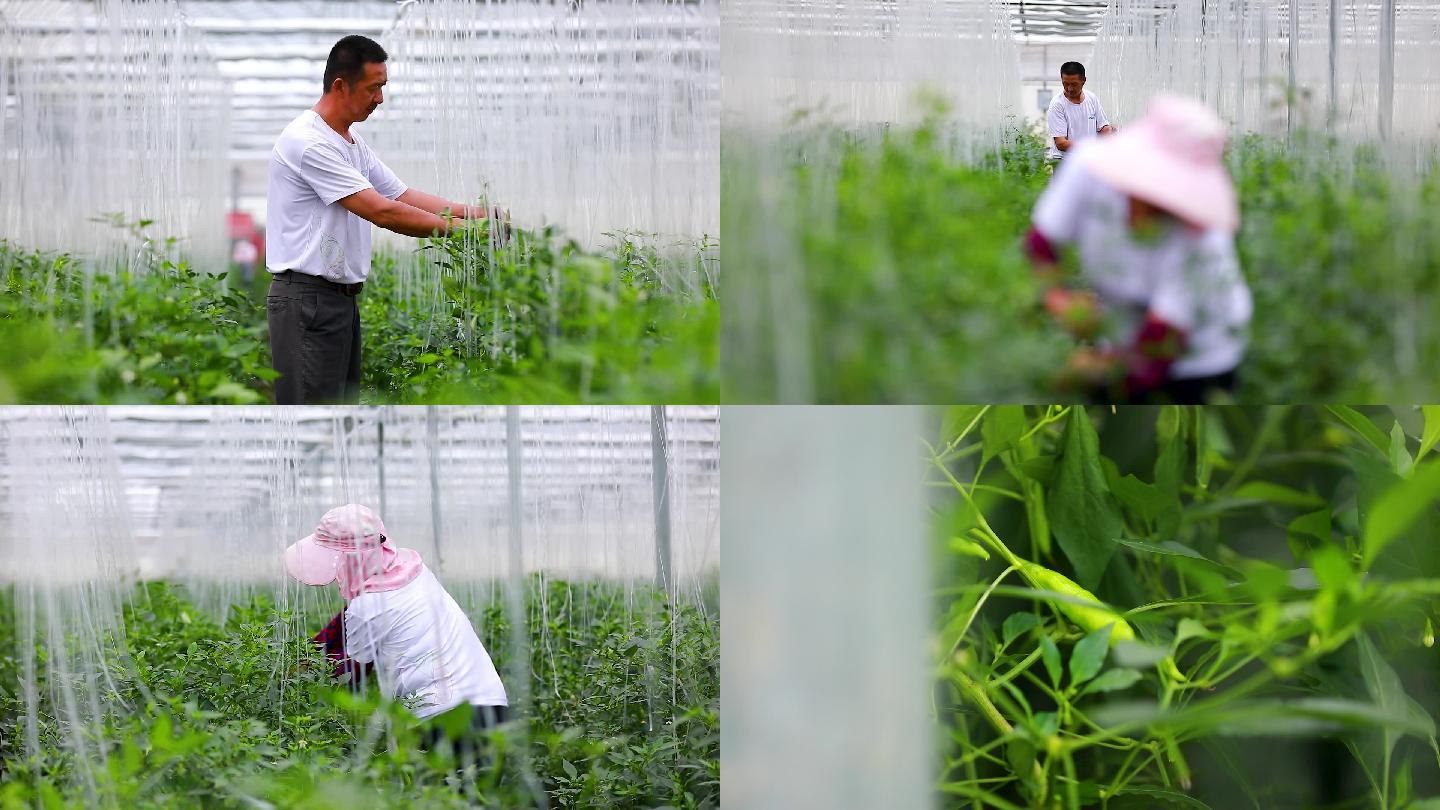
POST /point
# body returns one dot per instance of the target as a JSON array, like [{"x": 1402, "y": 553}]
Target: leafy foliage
[
  {"x": 171, "y": 334},
  {"x": 881, "y": 270},
  {"x": 200, "y": 713},
  {"x": 538, "y": 320},
  {"x": 1271, "y": 633},
  {"x": 888, "y": 268},
  {"x": 542, "y": 320}
]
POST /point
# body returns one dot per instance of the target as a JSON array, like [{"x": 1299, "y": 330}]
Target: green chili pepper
[{"x": 1088, "y": 618}]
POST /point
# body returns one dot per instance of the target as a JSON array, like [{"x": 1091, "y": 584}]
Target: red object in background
[{"x": 240, "y": 225}]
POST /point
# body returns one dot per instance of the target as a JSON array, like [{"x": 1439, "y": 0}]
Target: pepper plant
[
  {"x": 1204, "y": 607},
  {"x": 190, "y": 711}
]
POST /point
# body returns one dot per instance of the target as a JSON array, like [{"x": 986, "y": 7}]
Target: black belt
[{"x": 306, "y": 278}]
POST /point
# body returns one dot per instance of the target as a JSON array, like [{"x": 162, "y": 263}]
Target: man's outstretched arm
[
  {"x": 438, "y": 205},
  {"x": 394, "y": 215}
]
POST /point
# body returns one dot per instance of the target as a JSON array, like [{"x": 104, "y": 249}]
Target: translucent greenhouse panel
[
  {"x": 867, "y": 64},
  {"x": 440, "y": 478},
  {"x": 596, "y": 117},
  {"x": 68, "y": 563},
  {"x": 825, "y": 669},
  {"x": 1359, "y": 70},
  {"x": 113, "y": 132}
]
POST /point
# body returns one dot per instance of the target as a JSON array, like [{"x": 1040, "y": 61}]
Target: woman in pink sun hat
[
  {"x": 400, "y": 619},
  {"x": 1150, "y": 214}
]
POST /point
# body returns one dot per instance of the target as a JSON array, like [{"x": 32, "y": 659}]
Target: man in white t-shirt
[
  {"x": 327, "y": 187},
  {"x": 1074, "y": 116},
  {"x": 1151, "y": 216}
]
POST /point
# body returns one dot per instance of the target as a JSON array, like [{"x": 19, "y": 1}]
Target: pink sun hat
[
  {"x": 1172, "y": 158},
  {"x": 315, "y": 558}
]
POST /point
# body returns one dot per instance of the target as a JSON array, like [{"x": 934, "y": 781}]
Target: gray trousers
[{"x": 314, "y": 341}]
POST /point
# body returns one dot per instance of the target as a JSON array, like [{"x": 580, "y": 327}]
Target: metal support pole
[
  {"x": 1292, "y": 87},
  {"x": 1387, "y": 68},
  {"x": 380, "y": 462},
  {"x": 432, "y": 432},
  {"x": 660, "y": 475},
  {"x": 519, "y": 633},
  {"x": 518, "y": 685},
  {"x": 1332, "y": 106},
  {"x": 514, "y": 453},
  {"x": 235, "y": 188}
]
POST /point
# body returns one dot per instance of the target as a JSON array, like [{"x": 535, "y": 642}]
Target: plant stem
[
  {"x": 975, "y": 611},
  {"x": 976, "y": 694}
]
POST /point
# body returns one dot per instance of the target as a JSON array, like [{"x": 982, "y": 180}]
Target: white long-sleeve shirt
[
  {"x": 423, "y": 647},
  {"x": 1190, "y": 279}
]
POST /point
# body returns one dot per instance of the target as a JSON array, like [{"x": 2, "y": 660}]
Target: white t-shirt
[
  {"x": 1078, "y": 122},
  {"x": 423, "y": 647},
  {"x": 1189, "y": 279},
  {"x": 306, "y": 230}
]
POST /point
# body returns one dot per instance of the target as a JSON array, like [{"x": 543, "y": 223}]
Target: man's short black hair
[
  {"x": 1067, "y": 69},
  {"x": 348, "y": 57}
]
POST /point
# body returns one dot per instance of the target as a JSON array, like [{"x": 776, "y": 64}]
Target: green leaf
[
  {"x": 1202, "y": 448},
  {"x": 1332, "y": 568},
  {"x": 1312, "y": 525},
  {"x": 1153, "y": 795},
  {"x": 1146, "y": 501},
  {"x": 1089, "y": 655},
  {"x": 1171, "y": 548},
  {"x": 1275, "y": 493},
  {"x": 1400, "y": 460},
  {"x": 1169, "y": 469},
  {"x": 1188, "y": 629},
  {"x": 1002, "y": 427},
  {"x": 1045, "y": 724},
  {"x": 1398, "y": 507},
  {"x": 1432, "y": 430},
  {"x": 235, "y": 393},
  {"x": 1020, "y": 754},
  {"x": 1389, "y": 695},
  {"x": 1112, "y": 680},
  {"x": 1083, "y": 515},
  {"x": 1362, "y": 425},
  {"x": 1310, "y": 716},
  {"x": 1017, "y": 624},
  {"x": 959, "y": 421},
  {"x": 1040, "y": 469},
  {"x": 1051, "y": 655}
]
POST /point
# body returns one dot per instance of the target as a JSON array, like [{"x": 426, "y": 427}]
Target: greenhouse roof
[
  {"x": 160, "y": 453},
  {"x": 1055, "y": 18},
  {"x": 1059, "y": 20},
  {"x": 273, "y": 51}
]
